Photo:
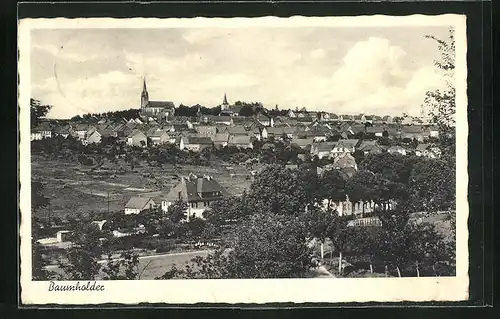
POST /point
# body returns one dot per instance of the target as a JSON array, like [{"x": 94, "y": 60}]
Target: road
[{"x": 156, "y": 265}]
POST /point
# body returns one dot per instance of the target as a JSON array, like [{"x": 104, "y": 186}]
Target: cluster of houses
[
  {"x": 198, "y": 133},
  {"x": 158, "y": 124}
]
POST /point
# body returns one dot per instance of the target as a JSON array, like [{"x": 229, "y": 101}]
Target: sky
[{"x": 344, "y": 70}]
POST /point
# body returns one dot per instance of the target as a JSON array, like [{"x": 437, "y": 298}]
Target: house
[
  {"x": 93, "y": 138},
  {"x": 137, "y": 138},
  {"x": 226, "y": 120},
  {"x": 359, "y": 118},
  {"x": 344, "y": 161},
  {"x": 369, "y": 119},
  {"x": 237, "y": 130},
  {"x": 43, "y": 130},
  {"x": 265, "y": 120},
  {"x": 206, "y": 130},
  {"x": 289, "y": 131},
  {"x": 387, "y": 119},
  {"x": 334, "y": 117},
  {"x": 276, "y": 132},
  {"x": 428, "y": 150},
  {"x": 291, "y": 114},
  {"x": 305, "y": 120},
  {"x": 346, "y": 118},
  {"x": 199, "y": 192},
  {"x": 220, "y": 140},
  {"x": 137, "y": 204},
  {"x": 159, "y": 136},
  {"x": 397, "y": 149},
  {"x": 195, "y": 143},
  {"x": 80, "y": 131},
  {"x": 63, "y": 131},
  {"x": 322, "y": 149},
  {"x": 375, "y": 130},
  {"x": 369, "y": 147},
  {"x": 302, "y": 142},
  {"x": 240, "y": 141},
  {"x": 413, "y": 132},
  {"x": 344, "y": 146}
]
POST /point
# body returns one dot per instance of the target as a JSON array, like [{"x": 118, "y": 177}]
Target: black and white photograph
[{"x": 243, "y": 160}]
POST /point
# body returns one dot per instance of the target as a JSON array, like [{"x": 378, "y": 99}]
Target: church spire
[
  {"x": 224, "y": 102},
  {"x": 144, "y": 94}
]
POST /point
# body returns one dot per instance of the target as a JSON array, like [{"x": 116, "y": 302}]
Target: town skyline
[{"x": 82, "y": 71}]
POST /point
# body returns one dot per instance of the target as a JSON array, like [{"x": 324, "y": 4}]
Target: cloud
[
  {"x": 317, "y": 54},
  {"x": 319, "y": 69}
]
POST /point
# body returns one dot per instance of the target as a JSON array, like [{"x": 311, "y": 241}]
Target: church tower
[
  {"x": 224, "y": 105},
  {"x": 144, "y": 95}
]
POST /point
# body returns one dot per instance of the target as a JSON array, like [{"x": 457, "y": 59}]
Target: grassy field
[{"x": 73, "y": 188}]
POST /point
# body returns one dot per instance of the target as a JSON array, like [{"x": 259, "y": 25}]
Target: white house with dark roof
[
  {"x": 345, "y": 146},
  {"x": 195, "y": 143},
  {"x": 137, "y": 138},
  {"x": 240, "y": 141},
  {"x": 199, "y": 192},
  {"x": 137, "y": 204}
]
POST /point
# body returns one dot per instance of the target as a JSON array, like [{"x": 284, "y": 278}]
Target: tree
[
  {"x": 177, "y": 212},
  {"x": 262, "y": 246},
  {"x": 277, "y": 190},
  {"x": 441, "y": 102},
  {"x": 341, "y": 236},
  {"x": 123, "y": 268},
  {"x": 38, "y": 111},
  {"x": 432, "y": 185},
  {"x": 332, "y": 186},
  {"x": 82, "y": 258}
]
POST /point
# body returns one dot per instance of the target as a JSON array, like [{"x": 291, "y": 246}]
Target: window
[{"x": 180, "y": 195}]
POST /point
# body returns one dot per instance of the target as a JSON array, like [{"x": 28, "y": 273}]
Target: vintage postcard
[{"x": 243, "y": 160}]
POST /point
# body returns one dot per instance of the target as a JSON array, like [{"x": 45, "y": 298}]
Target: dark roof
[
  {"x": 138, "y": 202},
  {"x": 165, "y": 104},
  {"x": 239, "y": 139},
  {"x": 422, "y": 147},
  {"x": 305, "y": 119},
  {"x": 199, "y": 140},
  {"x": 190, "y": 188}
]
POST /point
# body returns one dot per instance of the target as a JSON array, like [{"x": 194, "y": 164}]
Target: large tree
[
  {"x": 262, "y": 246},
  {"x": 441, "y": 102},
  {"x": 277, "y": 189},
  {"x": 38, "y": 111}
]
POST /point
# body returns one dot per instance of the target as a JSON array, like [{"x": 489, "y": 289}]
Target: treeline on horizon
[{"x": 247, "y": 109}]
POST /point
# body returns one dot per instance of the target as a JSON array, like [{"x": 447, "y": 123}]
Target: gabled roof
[
  {"x": 375, "y": 129},
  {"x": 137, "y": 202},
  {"x": 81, "y": 127},
  {"x": 165, "y": 104},
  {"x": 199, "y": 140},
  {"x": 413, "y": 129},
  {"x": 237, "y": 130},
  {"x": 136, "y": 132},
  {"x": 323, "y": 147},
  {"x": 422, "y": 147},
  {"x": 347, "y": 143},
  {"x": 191, "y": 187},
  {"x": 239, "y": 139},
  {"x": 305, "y": 119},
  {"x": 220, "y": 138},
  {"x": 302, "y": 142}
]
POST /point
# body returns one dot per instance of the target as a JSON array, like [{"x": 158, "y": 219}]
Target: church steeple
[
  {"x": 144, "y": 94},
  {"x": 224, "y": 102}
]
